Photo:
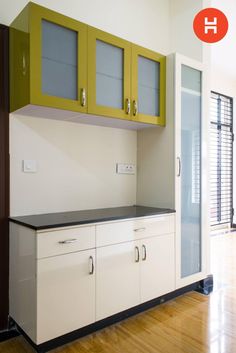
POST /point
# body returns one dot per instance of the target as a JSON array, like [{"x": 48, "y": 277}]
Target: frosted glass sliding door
[{"x": 190, "y": 171}]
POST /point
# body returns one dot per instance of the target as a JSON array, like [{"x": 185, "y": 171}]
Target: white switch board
[
  {"x": 125, "y": 168},
  {"x": 29, "y": 166}
]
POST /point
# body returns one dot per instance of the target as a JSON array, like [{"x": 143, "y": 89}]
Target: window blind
[{"x": 221, "y": 159}]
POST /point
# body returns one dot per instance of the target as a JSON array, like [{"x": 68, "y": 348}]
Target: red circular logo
[{"x": 210, "y": 25}]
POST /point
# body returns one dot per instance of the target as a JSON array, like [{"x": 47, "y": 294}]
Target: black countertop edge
[{"x": 67, "y": 219}]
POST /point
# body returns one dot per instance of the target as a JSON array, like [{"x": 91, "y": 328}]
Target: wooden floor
[{"x": 192, "y": 323}]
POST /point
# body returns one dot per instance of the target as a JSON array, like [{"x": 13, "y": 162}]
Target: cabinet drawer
[
  {"x": 149, "y": 227},
  {"x": 57, "y": 242},
  {"x": 115, "y": 233}
]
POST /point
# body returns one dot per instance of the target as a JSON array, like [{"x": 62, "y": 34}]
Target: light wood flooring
[{"x": 192, "y": 323}]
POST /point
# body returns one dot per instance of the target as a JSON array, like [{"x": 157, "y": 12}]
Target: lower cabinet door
[
  {"x": 118, "y": 278},
  {"x": 157, "y": 266},
  {"x": 65, "y": 294}
]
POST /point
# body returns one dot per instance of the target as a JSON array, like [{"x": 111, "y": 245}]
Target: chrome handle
[
  {"x": 179, "y": 166},
  {"x": 128, "y": 106},
  {"x": 83, "y": 97},
  {"x": 91, "y": 265},
  {"x": 68, "y": 241},
  {"x": 144, "y": 257},
  {"x": 139, "y": 229},
  {"x": 135, "y": 108},
  {"x": 24, "y": 64},
  {"x": 136, "y": 254}
]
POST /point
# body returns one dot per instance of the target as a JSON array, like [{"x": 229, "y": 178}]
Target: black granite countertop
[{"x": 64, "y": 219}]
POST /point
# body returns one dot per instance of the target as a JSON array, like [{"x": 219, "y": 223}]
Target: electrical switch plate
[
  {"x": 29, "y": 166},
  {"x": 125, "y": 168}
]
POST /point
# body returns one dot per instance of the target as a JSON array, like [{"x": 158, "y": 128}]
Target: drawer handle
[
  {"x": 91, "y": 265},
  {"x": 144, "y": 257},
  {"x": 68, "y": 241},
  {"x": 136, "y": 254},
  {"x": 139, "y": 229}
]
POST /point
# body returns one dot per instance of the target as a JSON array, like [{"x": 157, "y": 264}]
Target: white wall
[
  {"x": 76, "y": 166},
  {"x": 183, "y": 39},
  {"x": 145, "y": 22}
]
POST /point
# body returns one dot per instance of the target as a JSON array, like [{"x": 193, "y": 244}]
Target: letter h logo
[{"x": 210, "y": 25}]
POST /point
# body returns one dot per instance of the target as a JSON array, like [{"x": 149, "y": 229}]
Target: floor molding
[
  {"x": 8, "y": 334},
  {"x": 59, "y": 341}
]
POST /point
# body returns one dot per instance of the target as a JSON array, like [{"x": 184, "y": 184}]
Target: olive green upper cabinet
[
  {"x": 148, "y": 86},
  {"x": 109, "y": 64},
  {"x": 53, "y": 73},
  {"x": 124, "y": 80}
]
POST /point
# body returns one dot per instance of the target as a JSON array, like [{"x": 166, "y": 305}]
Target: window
[{"x": 221, "y": 158}]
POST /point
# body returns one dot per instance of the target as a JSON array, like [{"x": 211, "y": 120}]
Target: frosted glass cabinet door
[
  {"x": 108, "y": 74},
  {"x": 148, "y": 86},
  {"x": 190, "y": 171},
  {"x": 58, "y": 60}
]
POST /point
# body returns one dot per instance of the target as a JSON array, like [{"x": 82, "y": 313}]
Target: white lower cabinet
[
  {"x": 117, "y": 279},
  {"x": 157, "y": 268},
  {"x": 65, "y": 294},
  {"x": 133, "y": 272},
  {"x": 65, "y": 279}
]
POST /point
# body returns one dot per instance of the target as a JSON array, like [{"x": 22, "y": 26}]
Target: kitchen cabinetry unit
[
  {"x": 134, "y": 272},
  {"x": 137, "y": 270},
  {"x": 48, "y": 61},
  {"x": 58, "y": 62},
  {"x": 52, "y": 289},
  {"x": 125, "y": 80},
  {"x": 191, "y": 185},
  {"x": 76, "y": 276}
]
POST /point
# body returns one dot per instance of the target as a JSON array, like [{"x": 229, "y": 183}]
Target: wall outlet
[
  {"x": 125, "y": 168},
  {"x": 29, "y": 166}
]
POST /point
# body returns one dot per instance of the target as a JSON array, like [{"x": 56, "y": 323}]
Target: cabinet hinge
[{"x": 232, "y": 137}]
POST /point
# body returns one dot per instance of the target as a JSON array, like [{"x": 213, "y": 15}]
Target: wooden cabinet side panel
[{"x": 23, "y": 278}]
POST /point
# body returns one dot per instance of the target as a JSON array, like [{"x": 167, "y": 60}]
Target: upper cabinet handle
[
  {"x": 128, "y": 106},
  {"x": 83, "y": 97},
  {"x": 68, "y": 241},
  {"x": 24, "y": 69},
  {"x": 179, "y": 166},
  {"x": 135, "y": 108}
]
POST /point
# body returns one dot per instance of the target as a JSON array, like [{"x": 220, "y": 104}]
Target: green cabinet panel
[
  {"x": 58, "y": 62},
  {"x": 53, "y": 72}
]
